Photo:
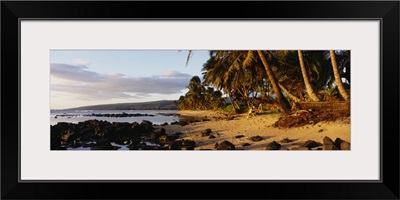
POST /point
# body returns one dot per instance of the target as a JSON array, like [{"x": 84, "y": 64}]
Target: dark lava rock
[
  {"x": 311, "y": 144},
  {"x": 256, "y": 138},
  {"x": 300, "y": 148},
  {"x": 239, "y": 136},
  {"x": 345, "y": 146},
  {"x": 145, "y": 147},
  {"x": 328, "y": 144},
  {"x": 273, "y": 146},
  {"x": 286, "y": 140},
  {"x": 103, "y": 146},
  {"x": 246, "y": 144},
  {"x": 164, "y": 139},
  {"x": 188, "y": 144},
  {"x": 320, "y": 130},
  {"x": 164, "y": 124},
  {"x": 162, "y": 131},
  {"x": 225, "y": 145},
  {"x": 183, "y": 123},
  {"x": 175, "y": 122},
  {"x": 341, "y": 144},
  {"x": 206, "y": 132},
  {"x": 211, "y": 137},
  {"x": 175, "y": 145}
]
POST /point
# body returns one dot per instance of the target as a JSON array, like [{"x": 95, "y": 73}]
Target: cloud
[
  {"x": 79, "y": 81},
  {"x": 79, "y": 61}
]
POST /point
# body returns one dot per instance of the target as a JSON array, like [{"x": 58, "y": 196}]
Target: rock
[
  {"x": 225, "y": 145},
  {"x": 188, "y": 144},
  {"x": 211, "y": 137},
  {"x": 133, "y": 146},
  {"x": 103, "y": 146},
  {"x": 145, "y": 147},
  {"x": 178, "y": 134},
  {"x": 273, "y": 146},
  {"x": 176, "y": 145},
  {"x": 341, "y": 144},
  {"x": 320, "y": 130},
  {"x": 162, "y": 131},
  {"x": 300, "y": 148},
  {"x": 239, "y": 136},
  {"x": 337, "y": 142},
  {"x": 345, "y": 145},
  {"x": 164, "y": 124},
  {"x": 246, "y": 144},
  {"x": 256, "y": 138},
  {"x": 183, "y": 123},
  {"x": 175, "y": 122},
  {"x": 286, "y": 140},
  {"x": 76, "y": 144},
  {"x": 311, "y": 144},
  {"x": 206, "y": 132},
  {"x": 328, "y": 144}
]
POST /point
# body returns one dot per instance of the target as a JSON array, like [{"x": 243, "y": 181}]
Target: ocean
[{"x": 75, "y": 116}]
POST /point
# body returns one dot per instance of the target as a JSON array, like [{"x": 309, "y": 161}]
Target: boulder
[
  {"x": 311, "y": 144},
  {"x": 188, "y": 144},
  {"x": 239, "y": 136},
  {"x": 286, "y": 140},
  {"x": 256, "y": 138},
  {"x": 300, "y": 148},
  {"x": 225, "y": 145},
  {"x": 328, "y": 144},
  {"x": 345, "y": 145},
  {"x": 341, "y": 144},
  {"x": 246, "y": 144},
  {"x": 103, "y": 146},
  {"x": 175, "y": 145},
  {"x": 206, "y": 132},
  {"x": 273, "y": 146}
]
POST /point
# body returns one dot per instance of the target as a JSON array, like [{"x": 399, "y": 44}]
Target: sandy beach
[{"x": 240, "y": 130}]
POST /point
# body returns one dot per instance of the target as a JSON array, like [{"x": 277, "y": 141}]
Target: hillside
[{"x": 153, "y": 105}]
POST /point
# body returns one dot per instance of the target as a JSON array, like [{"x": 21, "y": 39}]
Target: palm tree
[
  {"x": 338, "y": 79},
  {"x": 307, "y": 83},
  {"x": 281, "y": 99}
]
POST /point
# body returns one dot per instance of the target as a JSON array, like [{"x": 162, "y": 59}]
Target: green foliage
[{"x": 200, "y": 97}]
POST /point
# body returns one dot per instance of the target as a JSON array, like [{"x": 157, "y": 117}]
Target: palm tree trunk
[
  {"x": 290, "y": 95},
  {"x": 309, "y": 88},
  {"x": 338, "y": 80},
  {"x": 281, "y": 99}
]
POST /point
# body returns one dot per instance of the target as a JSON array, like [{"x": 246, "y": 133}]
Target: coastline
[{"x": 240, "y": 130}]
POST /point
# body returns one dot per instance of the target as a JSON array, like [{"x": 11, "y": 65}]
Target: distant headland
[{"x": 152, "y": 105}]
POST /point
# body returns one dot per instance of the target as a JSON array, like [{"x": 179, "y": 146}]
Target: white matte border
[{"x": 39, "y": 163}]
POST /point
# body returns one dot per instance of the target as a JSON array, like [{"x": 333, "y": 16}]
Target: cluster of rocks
[
  {"x": 99, "y": 135},
  {"x": 327, "y": 143}
]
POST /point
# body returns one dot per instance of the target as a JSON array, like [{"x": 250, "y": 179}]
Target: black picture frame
[{"x": 386, "y": 11}]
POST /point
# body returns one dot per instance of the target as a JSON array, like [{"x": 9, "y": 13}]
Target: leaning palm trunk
[
  {"x": 338, "y": 80},
  {"x": 309, "y": 88},
  {"x": 281, "y": 99},
  {"x": 290, "y": 95}
]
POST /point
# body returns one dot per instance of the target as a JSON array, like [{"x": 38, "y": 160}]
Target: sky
[{"x": 93, "y": 77}]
